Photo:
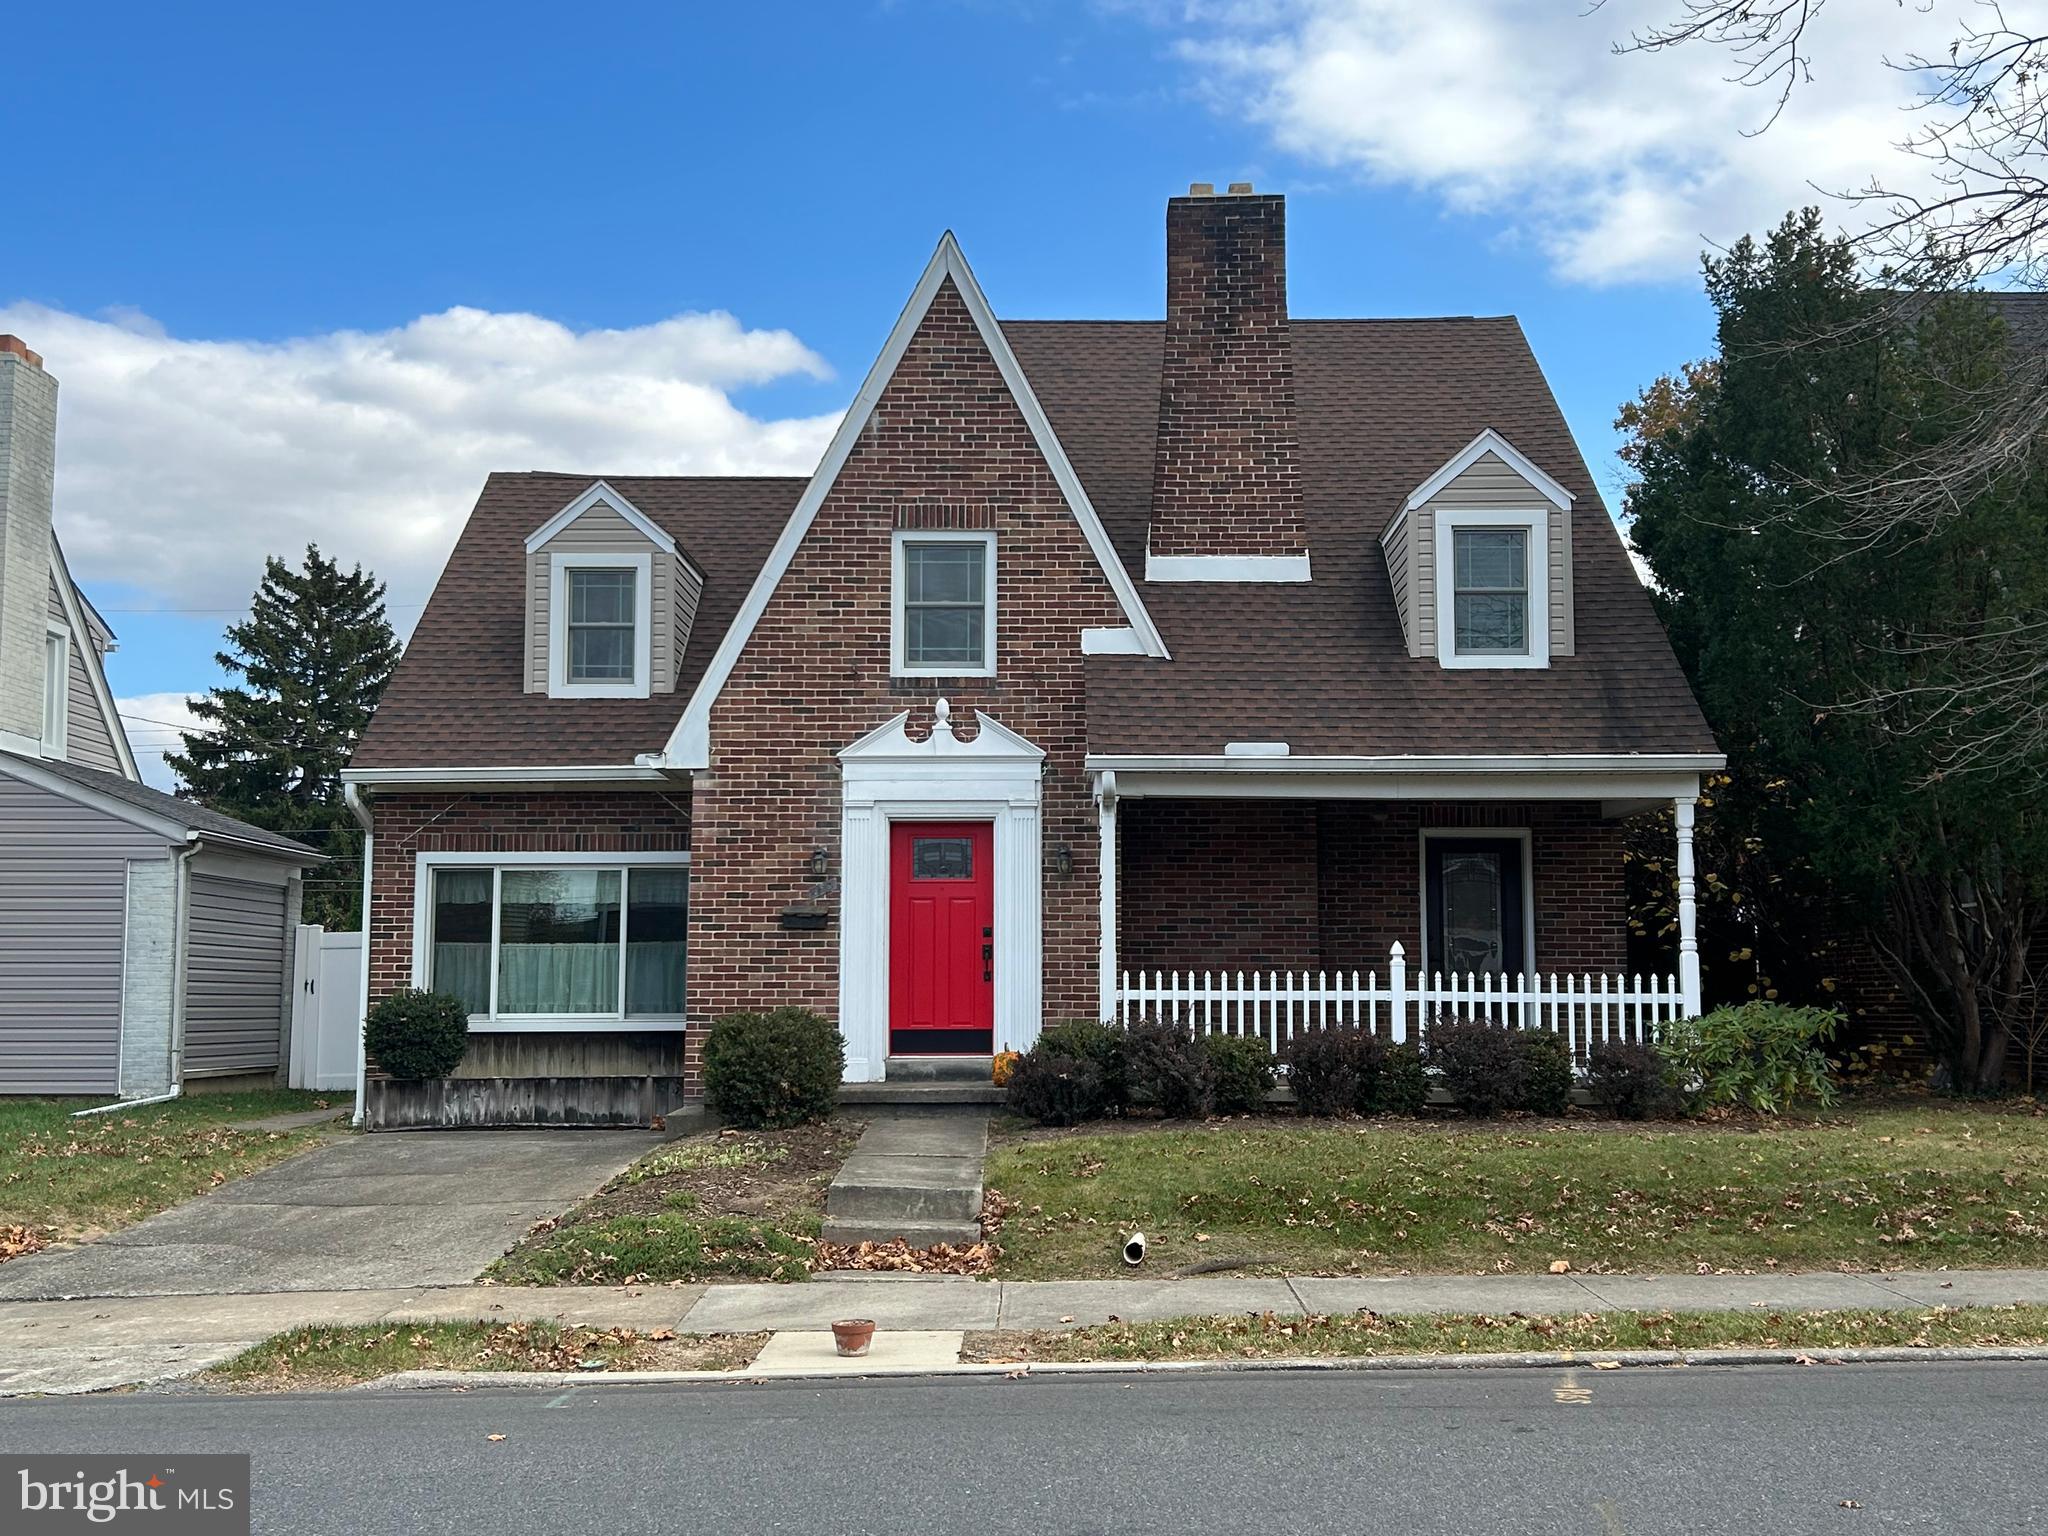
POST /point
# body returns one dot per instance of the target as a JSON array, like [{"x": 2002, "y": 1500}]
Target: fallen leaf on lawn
[
  {"x": 1560, "y": 1266},
  {"x": 1201, "y": 1237}
]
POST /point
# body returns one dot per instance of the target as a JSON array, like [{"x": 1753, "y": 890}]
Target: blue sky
[{"x": 224, "y": 215}]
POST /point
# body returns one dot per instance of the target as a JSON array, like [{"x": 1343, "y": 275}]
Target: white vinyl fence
[
  {"x": 1279, "y": 1005},
  {"x": 326, "y": 1010}
]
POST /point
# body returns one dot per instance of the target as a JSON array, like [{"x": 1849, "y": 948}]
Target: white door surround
[{"x": 888, "y": 777}]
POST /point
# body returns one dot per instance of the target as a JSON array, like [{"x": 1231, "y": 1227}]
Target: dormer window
[
  {"x": 943, "y": 619},
  {"x": 1492, "y": 600},
  {"x": 602, "y": 643}
]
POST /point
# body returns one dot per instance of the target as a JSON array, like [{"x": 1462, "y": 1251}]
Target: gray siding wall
[
  {"x": 235, "y": 959},
  {"x": 1490, "y": 482},
  {"x": 1395, "y": 547},
  {"x": 88, "y": 734},
  {"x": 63, "y": 906},
  {"x": 602, "y": 531},
  {"x": 28, "y": 469}
]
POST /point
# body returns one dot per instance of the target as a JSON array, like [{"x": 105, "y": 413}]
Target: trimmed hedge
[
  {"x": 773, "y": 1070},
  {"x": 1242, "y": 1068},
  {"x": 1635, "y": 1082},
  {"x": 1166, "y": 1069},
  {"x": 417, "y": 1035},
  {"x": 1054, "y": 1088}
]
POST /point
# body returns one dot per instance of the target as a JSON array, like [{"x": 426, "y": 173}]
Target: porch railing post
[
  {"x": 1397, "y": 991},
  {"x": 1683, "y": 809}
]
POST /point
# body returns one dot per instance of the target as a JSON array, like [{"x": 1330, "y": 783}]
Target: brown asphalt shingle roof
[{"x": 1319, "y": 665}]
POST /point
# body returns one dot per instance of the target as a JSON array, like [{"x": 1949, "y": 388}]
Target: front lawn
[
  {"x": 725, "y": 1205},
  {"x": 1917, "y": 1185},
  {"x": 63, "y": 1179},
  {"x": 308, "y": 1358},
  {"x": 1268, "y": 1337}
]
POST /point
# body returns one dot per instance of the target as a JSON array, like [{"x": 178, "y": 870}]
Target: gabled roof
[
  {"x": 167, "y": 814},
  {"x": 1488, "y": 441},
  {"x": 690, "y": 745},
  {"x": 600, "y": 492}
]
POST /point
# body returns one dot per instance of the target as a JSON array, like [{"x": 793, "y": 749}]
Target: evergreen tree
[{"x": 311, "y": 662}]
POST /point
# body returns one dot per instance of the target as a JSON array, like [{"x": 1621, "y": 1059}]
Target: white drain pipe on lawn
[{"x": 108, "y": 1109}]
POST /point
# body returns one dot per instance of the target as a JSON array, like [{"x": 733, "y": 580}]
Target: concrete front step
[
  {"x": 943, "y": 1069},
  {"x": 918, "y": 1095},
  {"x": 918, "y": 1234},
  {"x": 907, "y": 1189}
]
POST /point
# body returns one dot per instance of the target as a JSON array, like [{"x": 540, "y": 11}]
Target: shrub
[
  {"x": 1547, "y": 1067},
  {"x": 771, "y": 1070},
  {"x": 1165, "y": 1068},
  {"x": 414, "y": 1034},
  {"x": 1404, "y": 1081},
  {"x": 1053, "y": 1088},
  {"x": 1483, "y": 1066},
  {"x": 1242, "y": 1069},
  {"x": 1094, "y": 1042},
  {"x": 1761, "y": 1056},
  {"x": 1337, "y": 1071},
  {"x": 1634, "y": 1081}
]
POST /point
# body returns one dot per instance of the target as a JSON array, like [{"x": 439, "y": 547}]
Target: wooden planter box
[{"x": 446, "y": 1103}]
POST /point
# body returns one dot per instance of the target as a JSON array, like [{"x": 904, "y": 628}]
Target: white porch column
[
  {"x": 1105, "y": 825},
  {"x": 1688, "y": 920}
]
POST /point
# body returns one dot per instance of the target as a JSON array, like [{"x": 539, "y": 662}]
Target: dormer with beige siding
[
  {"x": 1480, "y": 557},
  {"x": 609, "y": 601}
]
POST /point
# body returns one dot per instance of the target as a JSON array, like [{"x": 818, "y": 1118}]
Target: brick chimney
[
  {"x": 1226, "y": 478},
  {"x": 28, "y": 466}
]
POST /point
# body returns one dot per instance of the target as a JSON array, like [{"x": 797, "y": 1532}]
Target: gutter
[
  {"x": 649, "y": 768},
  {"x": 1599, "y": 762},
  {"x": 359, "y": 808}
]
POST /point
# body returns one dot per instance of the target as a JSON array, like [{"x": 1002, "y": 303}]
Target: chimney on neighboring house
[
  {"x": 1226, "y": 477},
  {"x": 28, "y": 471}
]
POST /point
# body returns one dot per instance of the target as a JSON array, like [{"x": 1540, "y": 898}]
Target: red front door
[{"x": 941, "y": 937}]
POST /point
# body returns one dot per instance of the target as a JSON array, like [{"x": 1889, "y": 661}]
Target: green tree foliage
[
  {"x": 1828, "y": 646},
  {"x": 311, "y": 661}
]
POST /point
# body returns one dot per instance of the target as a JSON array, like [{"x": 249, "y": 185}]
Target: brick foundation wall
[
  {"x": 531, "y": 821},
  {"x": 946, "y": 447},
  {"x": 1252, "y": 884}
]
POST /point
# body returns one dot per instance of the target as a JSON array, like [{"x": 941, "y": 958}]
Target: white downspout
[
  {"x": 181, "y": 940},
  {"x": 360, "y": 809}
]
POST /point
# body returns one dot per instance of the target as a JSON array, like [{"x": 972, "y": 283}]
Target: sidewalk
[{"x": 87, "y": 1346}]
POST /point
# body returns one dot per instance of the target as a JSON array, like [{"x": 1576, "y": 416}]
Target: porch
[{"x": 1275, "y": 896}]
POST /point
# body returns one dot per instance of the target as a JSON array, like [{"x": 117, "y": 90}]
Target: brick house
[{"x": 1233, "y": 643}]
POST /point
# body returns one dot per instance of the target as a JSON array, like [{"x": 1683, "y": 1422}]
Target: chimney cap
[
  {"x": 1201, "y": 189},
  {"x": 1240, "y": 189},
  {"x": 14, "y": 344}
]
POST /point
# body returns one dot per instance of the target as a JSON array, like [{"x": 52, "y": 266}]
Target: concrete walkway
[
  {"x": 914, "y": 1174},
  {"x": 422, "y": 1208},
  {"x": 85, "y": 1346}
]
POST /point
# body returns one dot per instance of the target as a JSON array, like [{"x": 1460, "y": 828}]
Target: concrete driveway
[{"x": 363, "y": 1212}]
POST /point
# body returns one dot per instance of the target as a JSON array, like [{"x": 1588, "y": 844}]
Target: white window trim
[
  {"x": 1522, "y": 835},
  {"x": 559, "y": 566},
  {"x": 984, "y": 537},
  {"x": 536, "y": 1023},
  {"x": 55, "y": 726},
  {"x": 1533, "y": 521}
]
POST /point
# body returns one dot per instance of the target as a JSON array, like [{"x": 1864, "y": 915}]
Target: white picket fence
[{"x": 1279, "y": 1005}]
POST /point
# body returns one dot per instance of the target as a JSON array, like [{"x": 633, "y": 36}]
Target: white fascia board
[
  {"x": 689, "y": 745},
  {"x": 1487, "y": 442},
  {"x": 1226, "y": 567},
  {"x": 75, "y": 608},
  {"x": 1561, "y": 762},
  {"x": 457, "y": 778},
  {"x": 1111, "y": 642},
  {"x": 599, "y": 491}
]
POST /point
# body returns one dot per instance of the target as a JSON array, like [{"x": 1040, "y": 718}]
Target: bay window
[{"x": 560, "y": 943}]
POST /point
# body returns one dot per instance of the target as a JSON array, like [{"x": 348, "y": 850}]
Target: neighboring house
[
  {"x": 1229, "y": 642},
  {"x": 144, "y": 941}
]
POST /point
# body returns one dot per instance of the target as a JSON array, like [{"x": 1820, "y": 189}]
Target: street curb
[{"x": 410, "y": 1381}]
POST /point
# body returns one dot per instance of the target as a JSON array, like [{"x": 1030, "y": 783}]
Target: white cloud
[
  {"x": 1617, "y": 168},
  {"x": 153, "y": 722},
  {"x": 181, "y": 463}
]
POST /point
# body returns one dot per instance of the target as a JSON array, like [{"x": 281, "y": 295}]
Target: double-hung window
[
  {"x": 1492, "y": 589},
  {"x": 944, "y": 618},
  {"x": 529, "y": 943},
  {"x": 601, "y": 613}
]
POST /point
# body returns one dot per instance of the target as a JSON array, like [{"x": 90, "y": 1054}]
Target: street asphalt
[{"x": 1784, "y": 1450}]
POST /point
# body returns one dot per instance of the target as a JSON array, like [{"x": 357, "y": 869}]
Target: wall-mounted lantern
[{"x": 1063, "y": 862}]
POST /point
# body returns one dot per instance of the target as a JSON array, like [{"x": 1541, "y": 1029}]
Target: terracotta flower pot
[{"x": 852, "y": 1336}]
